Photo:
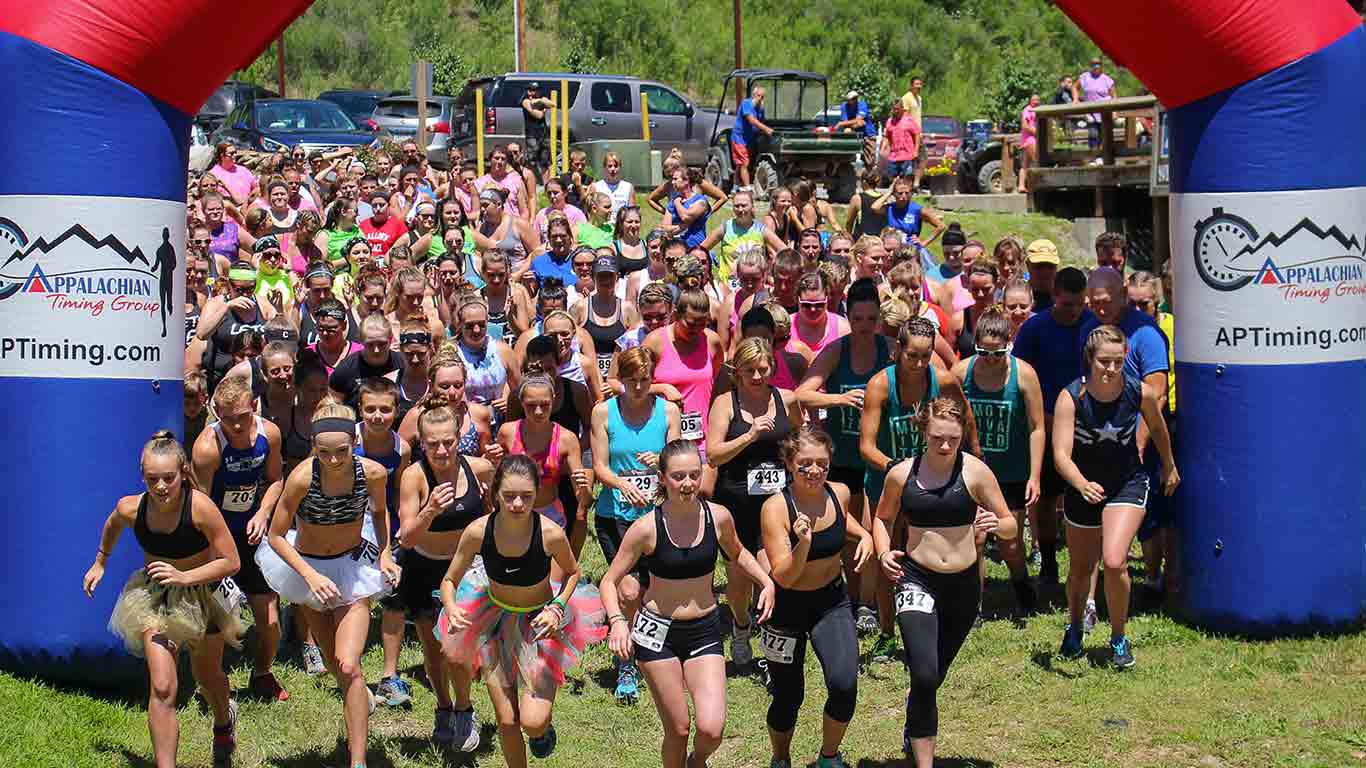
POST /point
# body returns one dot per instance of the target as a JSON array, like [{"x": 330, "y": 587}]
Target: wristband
[
  {"x": 559, "y": 603},
  {"x": 891, "y": 464},
  {"x": 614, "y": 617}
]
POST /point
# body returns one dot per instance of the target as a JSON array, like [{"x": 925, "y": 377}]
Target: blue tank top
[
  {"x": 485, "y": 374},
  {"x": 390, "y": 462},
  {"x": 696, "y": 231},
  {"x": 239, "y": 479},
  {"x": 624, "y": 441},
  {"x": 842, "y": 422},
  {"x": 908, "y": 221}
]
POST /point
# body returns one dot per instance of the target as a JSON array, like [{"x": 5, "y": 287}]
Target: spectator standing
[
  {"x": 1064, "y": 92},
  {"x": 901, "y": 140},
  {"x": 534, "y": 128},
  {"x": 1029, "y": 141},
  {"x": 749, "y": 121},
  {"x": 911, "y": 102},
  {"x": 1093, "y": 85}
]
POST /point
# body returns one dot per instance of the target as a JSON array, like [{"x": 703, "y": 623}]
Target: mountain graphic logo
[
  {"x": 37, "y": 281},
  {"x": 1230, "y": 253}
]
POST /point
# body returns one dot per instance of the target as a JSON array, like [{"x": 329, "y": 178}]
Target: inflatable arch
[{"x": 1267, "y": 228}]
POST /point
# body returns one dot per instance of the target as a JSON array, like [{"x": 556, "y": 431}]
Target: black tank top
[
  {"x": 1103, "y": 439},
  {"x": 671, "y": 561},
  {"x": 605, "y": 336},
  {"x": 465, "y": 509},
  {"x": 827, "y": 542},
  {"x": 967, "y": 338},
  {"x": 191, "y": 320},
  {"x": 184, "y": 541},
  {"x": 567, "y": 413},
  {"x": 765, "y": 450},
  {"x": 946, "y": 507},
  {"x": 868, "y": 222},
  {"x": 525, "y": 570},
  {"x": 220, "y": 342}
]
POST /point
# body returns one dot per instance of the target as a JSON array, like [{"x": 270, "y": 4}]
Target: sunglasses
[
  {"x": 991, "y": 352},
  {"x": 811, "y": 304},
  {"x": 200, "y": 241}
]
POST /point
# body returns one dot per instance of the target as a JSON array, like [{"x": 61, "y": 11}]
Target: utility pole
[
  {"x": 519, "y": 35},
  {"x": 280, "y": 60},
  {"x": 739, "y": 84}
]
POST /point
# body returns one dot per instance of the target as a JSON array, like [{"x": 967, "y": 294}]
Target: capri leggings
[
  {"x": 935, "y": 612},
  {"x": 824, "y": 616}
]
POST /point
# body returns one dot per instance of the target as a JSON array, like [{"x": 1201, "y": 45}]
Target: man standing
[
  {"x": 856, "y": 117},
  {"x": 1094, "y": 85},
  {"x": 749, "y": 121},
  {"x": 1064, "y": 92},
  {"x": 911, "y": 102},
  {"x": 1111, "y": 248},
  {"x": 534, "y": 106},
  {"x": 1042, "y": 257}
]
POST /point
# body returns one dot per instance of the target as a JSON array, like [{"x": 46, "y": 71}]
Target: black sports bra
[
  {"x": 317, "y": 508},
  {"x": 525, "y": 570},
  {"x": 671, "y": 561},
  {"x": 948, "y": 506},
  {"x": 185, "y": 541},
  {"x": 464, "y": 509},
  {"x": 827, "y": 542}
]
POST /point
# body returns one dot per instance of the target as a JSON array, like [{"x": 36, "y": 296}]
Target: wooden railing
[{"x": 1130, "y": 111}]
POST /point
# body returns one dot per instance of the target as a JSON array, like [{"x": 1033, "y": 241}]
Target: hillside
[{"x": 977, "y": 56}]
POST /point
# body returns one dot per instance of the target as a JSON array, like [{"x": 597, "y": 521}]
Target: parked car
[
  {"x": 276, "y": 125},
  {"x": 979, "y": 171},
  {"x": 797, "y": 108},
  {"x": 225, "y": 99},
  {"x": 358, "y": 104},
  {"x": 940, "y": 137},
  {"x": 610, "y": 111},
  {"x": 396, "y": 116}
]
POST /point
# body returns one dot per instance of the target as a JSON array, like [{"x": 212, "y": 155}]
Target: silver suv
[
  {"x": 397, "y": 117},
  {"x": 600, "y": 107}
]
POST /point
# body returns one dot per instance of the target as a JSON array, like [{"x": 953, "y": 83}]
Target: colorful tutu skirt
[
  {"x": 355, "y": 572},
  {"x": 500, "y": 644},
  {"x": 183, "y": 615}
]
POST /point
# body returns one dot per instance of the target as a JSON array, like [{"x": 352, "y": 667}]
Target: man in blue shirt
[
  {"x": 749, "y": 122},
  {"x": 557, "y": 262},
  {"x": 1050, "y": 341},
  {"x": 855, "y": 116}
]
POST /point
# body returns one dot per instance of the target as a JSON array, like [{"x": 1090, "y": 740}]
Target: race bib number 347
[{"x": 911, "y": 597}]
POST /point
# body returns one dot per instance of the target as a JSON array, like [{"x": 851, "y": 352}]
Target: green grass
[{"x": 1193, "y": 700}]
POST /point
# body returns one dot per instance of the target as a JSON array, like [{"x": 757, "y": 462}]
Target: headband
[
  {"x": 334, "y": 424},
  {"x": 242, "y": 274},
  {"x": 346, "y": 249},
  {"x": 281, "y": 334},
  {"x": 269, "y": 241},
  {"x": 491, "y": 195},
  {"x": 318, "y": 270},
  {"x": 415, "y": 337}
]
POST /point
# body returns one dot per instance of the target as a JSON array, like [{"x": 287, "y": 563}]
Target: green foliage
[
  {"x": 449, "y": 70},
  {"x": 873, "y": 82},
  {"x": 578, "y": 57},
  {"x": 1017, "y": 78}
]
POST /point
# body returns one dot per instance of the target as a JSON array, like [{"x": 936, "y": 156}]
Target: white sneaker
[
  {"x": 740, "y": 652},
  {"x": 1088, "y": 619}
]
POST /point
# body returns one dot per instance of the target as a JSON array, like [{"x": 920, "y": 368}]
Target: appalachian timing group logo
[
  {"x": 1231, "y": 254},
  {"x": 77, "y": 271}
]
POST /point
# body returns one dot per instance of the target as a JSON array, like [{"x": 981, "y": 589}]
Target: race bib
[
  {"x": 239, "y": 499},
  {"x": 649, "y": 630},
  {"x": 228, "y": 595},
  {"x": 910, "y": 597},
  {"x": 604, "y": 363},
  {"x": 692, "y": 426},
  {"x": 777, "y": 648},
  {"x": 643, "y": 480},
  {"x": 765, "y": 480},
  {"x": 366, "y": 552},
  {"x": 734, "y": 283}
]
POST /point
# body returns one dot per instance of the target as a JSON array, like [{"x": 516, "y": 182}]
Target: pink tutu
[{"x": 499, "y": 641}]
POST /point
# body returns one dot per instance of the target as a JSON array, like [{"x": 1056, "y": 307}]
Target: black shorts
[
  {"x": 1015, "y": 495},
  {"x": 392, "y": 601},
  {"x": 1161, "y": 511},
  {"x": 744, "y": 510},
  {"x": 850, "y": 476},
  {"x": 570, "y": 500},
  {"x": 248, "y": 577},
  {"x": 1050, "y": 482},
  {"x": 610, "y": 531},
  {"x": 421, "y": 577},
  {"x": 1133, "y": 492},
  {"x": 688, "y": 639}
]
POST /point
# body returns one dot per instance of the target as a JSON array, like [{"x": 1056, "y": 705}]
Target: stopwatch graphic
[{"x": 1218, "y": 240}]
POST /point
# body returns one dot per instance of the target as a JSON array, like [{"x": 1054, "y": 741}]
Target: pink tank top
[
  {"x": 782, "y": 373},
  {"x": 693, "y": 378},
  {"x": 832, "y": 332},
  {"x": 549, "y": 461},
  {"x": 961, "y": 298}
]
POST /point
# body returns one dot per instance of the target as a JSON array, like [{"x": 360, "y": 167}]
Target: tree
[
  {"x": 1018, "y": 76},
  {"x": 449, "y": 70},
  {"x": 872, "y": 81}
]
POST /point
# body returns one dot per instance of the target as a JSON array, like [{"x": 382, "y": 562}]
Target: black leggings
[
  {"x": 824, "y": 615},
  {"x": 934, "y": 623}
]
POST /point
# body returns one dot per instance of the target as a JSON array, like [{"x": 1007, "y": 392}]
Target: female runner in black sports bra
[
  {"x": 183, "y": 595},
  {"x": 440, "y": 495},
  {"x": 676, "y": 637},
  {"x": 950, "y": 499},
  {"x": 508, "y": 619},
  {"x": 805, "y": 529},
  {"x": 338, "y": 559}
]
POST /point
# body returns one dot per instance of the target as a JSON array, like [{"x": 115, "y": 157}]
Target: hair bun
[{"x": 163, "y": 434}]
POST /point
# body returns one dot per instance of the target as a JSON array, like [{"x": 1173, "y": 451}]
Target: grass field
[{"x": 1193, "y": 700}]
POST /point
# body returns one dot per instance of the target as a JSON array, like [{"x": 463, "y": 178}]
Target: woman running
[
  {"x": 603, "y": 315},
  {"x": 676, "y": 635},
  {"x": 507, "y": 619},
  {"x": 509, "y": 305},
  {"x": 805, "y": 530},
  {"x": 507, "y": 231},
  {"x": 628, "y": 433},
  {"x": 739, "y": 236},
  {"x": 1095, "y": 425},
  {"x": 815, "y": 325},
  {"x": 474, "y": 421},
  {"x": 182, "y": 596},
  {"x": 689, "y": 354},
  {"x": 441, "y": 496},
  {"x": 225, "y": 316},
  {"x": 337, "y": 559},
  {"x": 490, "y": 363},
  {"x": 746, "y": 430},
  {"x": 626, "y": 241},
  {"x": 949, "y": 500}
]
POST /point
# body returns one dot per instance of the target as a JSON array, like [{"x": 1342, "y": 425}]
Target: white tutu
[{"x": 355, "y": 572}]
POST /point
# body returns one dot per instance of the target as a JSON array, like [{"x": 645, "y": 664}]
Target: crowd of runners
[{"x": 417, "y": 392}]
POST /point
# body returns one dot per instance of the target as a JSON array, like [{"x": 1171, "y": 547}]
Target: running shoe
[
  {"x": 372, "y": 701},
  {"x": 1123, "y": 656},
  {"x": 266, "y": 687},
  {"x": 740, "y": 652},
  {"x": 1026, "y": 598},
  {"x": 313, "y": 660},
  {"x": 1088, "y": 619},
  {"x": 1071, "y": 644},
  {"x": 866, "y": 620},
  {"x": 628, "y": 682},
  {"x": 884, "y": 649},
  {"x": 394, "y": 691},
  {"x": 466, "y": 730},
  {"x": 225, "y": 737},
  {"x": 836, "y": 761},
  {"x": 444, "y": 731},
  {"x": 541, "y": 746}
]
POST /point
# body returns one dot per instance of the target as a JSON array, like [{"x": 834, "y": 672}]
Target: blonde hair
[
  {"x": 894, "y": 313},
  {"x": 635, "y": 362},
  {"x": 1104, "y": 334},
  {"x": 163, "y": 443},
  {"x": 942, "y": 408},
  {"x": 782, "y": 321},
  {"x": 750, "y": 350},
  {"x": 230, "y": 391},
  {"x": 560, "y": 313},
  {"x": 331, "y": 409}
]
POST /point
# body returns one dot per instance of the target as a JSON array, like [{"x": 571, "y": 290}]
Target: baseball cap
[
  {"x": 1042, "y": 251},
  {"x": 605, "y": 264},
  {"x": 851, "y": 95}
]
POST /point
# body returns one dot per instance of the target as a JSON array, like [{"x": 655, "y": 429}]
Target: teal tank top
[
  {"x": 1002, "y": 425},
  {"x": 624, "y": 441},
  {"x": 842, "y": 422}
]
